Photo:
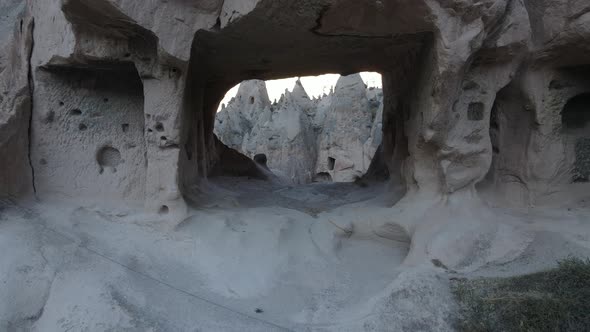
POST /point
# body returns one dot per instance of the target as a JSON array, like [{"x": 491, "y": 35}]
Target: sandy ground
[{"x": 255, "y": 256}]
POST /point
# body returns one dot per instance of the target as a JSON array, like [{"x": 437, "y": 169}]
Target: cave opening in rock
[
  {"x": 510, "y": 127},
  {"x": 316, "y": 131},
  {"x": 328, "y": 124},
  {"x": 215, "y": 145},
  {"x": 331, "y": 163},
  {"x": 576, "y": 130}
]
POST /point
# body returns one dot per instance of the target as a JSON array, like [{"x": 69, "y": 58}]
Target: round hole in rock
[
  {"x": 125, "y": 127},
  {"x": 108, "y": 156},
  {"x": 76, "y": 112},
  {"x": 251, "y": 100},
  {"x": 164, "y": 210},
  {"x": 159, "y": 127},
  {"x": 61, "y": 103},
  {"x": 82, "y": 127}
]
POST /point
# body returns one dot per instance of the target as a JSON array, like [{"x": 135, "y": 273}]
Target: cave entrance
[
  {"x": 575, "y": 119},
  {"x": 510, "y": 129},
  {"x": 268, "y": 45},
  {"x": 316, "y": 129}
]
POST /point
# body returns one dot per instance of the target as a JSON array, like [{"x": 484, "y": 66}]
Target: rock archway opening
[
  {"x": 576, "y": 130},
  {"x": 321, "y": 129},
  {"x": 319, "y": 134},
  {"x": 304, "y": 137}
]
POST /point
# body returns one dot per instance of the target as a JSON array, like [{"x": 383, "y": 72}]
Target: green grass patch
[{"x": 554, "y": 300}]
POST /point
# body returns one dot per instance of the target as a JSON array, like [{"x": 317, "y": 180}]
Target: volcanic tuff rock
[
  {"x": 333, "y": 137},
  {"x": 115, "y": 101}
]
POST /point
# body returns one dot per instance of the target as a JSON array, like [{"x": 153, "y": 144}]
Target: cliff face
[
  {"x": 332, "y": 138},
  {"x": 117, "y": 99}
]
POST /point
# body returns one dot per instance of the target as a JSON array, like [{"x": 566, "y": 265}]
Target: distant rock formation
[{"x": 333, "y": 138}]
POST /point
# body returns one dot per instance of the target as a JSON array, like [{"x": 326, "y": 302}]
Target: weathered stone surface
[
  {"x": 16, "y": 176},
  {"x": 241, "y": 113},
  {"x": 285, "y": 135},
  {"x": 114, "y": 102},
  {"x": 345, "y": 131},
  {"x": 335, "y": 135},
  {"x": 445, "y": 65}
]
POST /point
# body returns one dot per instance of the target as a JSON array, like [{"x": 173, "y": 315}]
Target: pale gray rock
[
  {"x": 446, "y": 65},
  {"x": 16, "y": 175},
  {"x": 260, "y": 128},
  {"x": 345, "y": 131},
  {"x": 236, "y": 120},
  {"x": 285, "y": 135},
  {"x": 113, "y": 102}
]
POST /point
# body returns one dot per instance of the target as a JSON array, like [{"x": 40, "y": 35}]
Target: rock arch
[{"x": 575, "y": 119}]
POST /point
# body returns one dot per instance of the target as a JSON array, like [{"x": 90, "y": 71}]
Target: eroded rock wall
[
  {"x": 16, "y": 29},
  {"x": 333, "y": 138},
  {"x": 88, "y": 135},
  {"x": 445, "y": 63}
]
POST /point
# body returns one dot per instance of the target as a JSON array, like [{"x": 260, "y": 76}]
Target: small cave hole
[
  {"x": 331, "y": 163},
  {"x": 108, "y": 156},
  {"x": 322, "y": 177},
  {"x": 127, "y": 55},
  {"x": 82, "y": 127},
  {"x": 125, "y": 127},
  {"x": 61, "y": 103},
  {"x": 163, "y": 210},
  {"x": 251, "y": 100},
  {"x": 163, "y": 138},
  {"x": 159, "y": 127},
  {"x": 576, "y": 113},
  {"x": 261, "y": 160},
  {"x": 475, "y": 112},
  {"x": 75, "y": 112},
  {"x": 149, "y": 130}
]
